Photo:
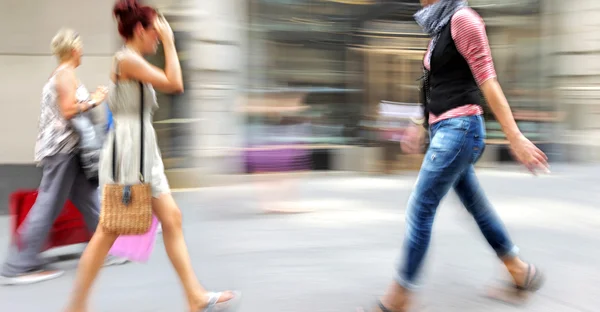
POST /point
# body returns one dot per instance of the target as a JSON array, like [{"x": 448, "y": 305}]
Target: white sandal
[{"x": 215, "y": 306}]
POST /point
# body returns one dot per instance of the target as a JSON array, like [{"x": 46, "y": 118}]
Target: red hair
[{"x": 131, "y": 12}]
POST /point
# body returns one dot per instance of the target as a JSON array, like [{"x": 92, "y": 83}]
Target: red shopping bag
[{"x": 68, "y": 229}]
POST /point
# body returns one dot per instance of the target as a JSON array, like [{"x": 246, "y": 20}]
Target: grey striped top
[{"x": 55, "y": 133}]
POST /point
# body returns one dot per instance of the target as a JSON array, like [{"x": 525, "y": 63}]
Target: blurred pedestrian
[
  {"x": 142, "y": 28},
  {"x": 458, "y": 66},
  {"x": 57, "y": 152}
]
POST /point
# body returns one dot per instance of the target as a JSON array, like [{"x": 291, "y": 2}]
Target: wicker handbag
[{"x": 127, "y": 209}]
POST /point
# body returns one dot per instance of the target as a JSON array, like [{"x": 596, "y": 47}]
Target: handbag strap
[{"x": 114, "y": 153}]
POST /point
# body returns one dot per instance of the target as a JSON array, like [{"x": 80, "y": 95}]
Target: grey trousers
[{"x": 62, "y": 179}]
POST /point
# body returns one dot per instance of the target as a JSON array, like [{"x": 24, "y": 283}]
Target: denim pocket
[{"x": 447, "y": 143}]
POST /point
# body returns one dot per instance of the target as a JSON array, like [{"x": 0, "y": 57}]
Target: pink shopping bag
[{"x": 137, "y": 248}]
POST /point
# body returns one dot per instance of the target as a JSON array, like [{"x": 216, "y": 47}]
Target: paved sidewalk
[{"x": 343, "y": 253}]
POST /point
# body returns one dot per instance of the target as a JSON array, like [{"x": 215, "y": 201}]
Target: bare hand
[
  {"x": 529, "y": 155},
  {"x": 165, "y": 33},
  {"x": 413, "y": 138},
  {"x": 99, "y": 95}
]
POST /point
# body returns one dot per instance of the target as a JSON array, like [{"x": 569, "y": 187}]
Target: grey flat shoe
[
  {"x": 31, "y": 277},
  {"x": 534, "y": 280},
  {"x": 514, "y": 294},
  {"x": 380, "y": 306}
]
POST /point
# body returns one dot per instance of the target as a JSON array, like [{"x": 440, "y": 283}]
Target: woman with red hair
[{"x": 142, "y": 29}]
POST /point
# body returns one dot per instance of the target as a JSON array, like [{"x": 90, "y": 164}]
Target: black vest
[{"x": 450, "y": 83}]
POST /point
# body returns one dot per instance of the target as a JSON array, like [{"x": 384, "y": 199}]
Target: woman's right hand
[
  {"x": 528, "y": 154},
  {"x": 165, "y": 33},
  {"x": 167, "y": 79}
]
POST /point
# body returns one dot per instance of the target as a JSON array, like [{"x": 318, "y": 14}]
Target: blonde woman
[{"x": 56, "y": 151}]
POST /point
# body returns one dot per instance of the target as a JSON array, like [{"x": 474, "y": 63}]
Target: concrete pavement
[{"x": 343, "y": 253}]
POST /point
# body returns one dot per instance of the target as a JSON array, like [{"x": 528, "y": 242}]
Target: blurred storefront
[
  {"x": 574, "y": 55},
  {"x": 200, "y": 132},
  {"x": 312, "y": 73},
  {"x": 318, "y": 48},
  {"x": 350, "y": 56},
  {"x": 517, "y": 36},
  {"x": 302, "y": 47},
  {"x": 395, "y": 48},
  {"x": 308, "y": 73}
]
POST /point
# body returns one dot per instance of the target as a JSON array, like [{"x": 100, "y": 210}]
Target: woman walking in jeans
[{"x": 458, "y": 64}]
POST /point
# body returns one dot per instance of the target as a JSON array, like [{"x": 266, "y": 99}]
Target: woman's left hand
[
  {"x": 413, "y": 139},
  {"x": 99, "y": 95}
]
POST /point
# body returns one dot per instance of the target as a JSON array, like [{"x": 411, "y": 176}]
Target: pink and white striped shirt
[{"x": 468, "y": 32}]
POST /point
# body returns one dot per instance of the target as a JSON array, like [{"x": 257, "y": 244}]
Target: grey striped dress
[{"x": 124, "y": 102}]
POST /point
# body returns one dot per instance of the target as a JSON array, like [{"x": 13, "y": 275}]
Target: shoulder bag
[{"x": 127, "y": 209}]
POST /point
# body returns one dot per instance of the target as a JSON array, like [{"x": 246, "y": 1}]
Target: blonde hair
[{"x": 64, "y": 42}]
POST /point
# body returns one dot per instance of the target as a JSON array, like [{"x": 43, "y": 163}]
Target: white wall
[
  {"x": 26, "y": 29},
  {"x": 218, "y": 72},
  {"x": 577, "y": 60}
]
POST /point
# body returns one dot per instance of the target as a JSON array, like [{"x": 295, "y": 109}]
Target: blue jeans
[{"x": 455, "y": 146}]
